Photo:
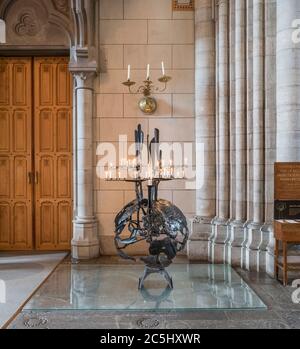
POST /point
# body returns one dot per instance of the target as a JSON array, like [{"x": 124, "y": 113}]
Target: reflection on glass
[
  {"x": 115, "y": 287},
  {"x": 2, "y": 291}
]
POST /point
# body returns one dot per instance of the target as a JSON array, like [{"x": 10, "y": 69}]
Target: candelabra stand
[{"x": 160, "y": 223}]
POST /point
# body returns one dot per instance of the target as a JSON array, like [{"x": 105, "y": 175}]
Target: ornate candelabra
[
  {"x": 160, "y": 223},
  {"x": 147, "y": 104}
]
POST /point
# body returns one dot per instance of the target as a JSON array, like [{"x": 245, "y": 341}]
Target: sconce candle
[
  {"x": 128, "y": 73},
  {"x": 163, "y": 68},
  {"x": 148, "y": 72}
]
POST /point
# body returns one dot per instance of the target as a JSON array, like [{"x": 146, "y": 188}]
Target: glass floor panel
[{"x": 115, "y": 287}]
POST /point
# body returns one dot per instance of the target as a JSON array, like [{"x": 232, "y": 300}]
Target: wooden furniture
[
  {"x": 286, "y": 232},
  {"x": 35, "y": 153}
]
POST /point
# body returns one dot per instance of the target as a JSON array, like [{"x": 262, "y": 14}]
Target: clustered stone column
[
  {"x": 85, "y": 242},
  {"x": 218, "y": 252},
  {"x": 245, "y": 108},
  {"x": 270, "y": 128},
  {"x": 238, "y": 128},
  {"x": 205, "y": 130}
]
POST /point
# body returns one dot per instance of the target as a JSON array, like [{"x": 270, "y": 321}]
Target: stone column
[
  {"x": 254, "y": 258},
  {"x": 270, "y": 127},
  {"x": 205, "y": 130},
  {"x": 288, "y": 83},
  {"x": 223, "y": 171},
  {"x": 85, "y": 242},
  {"x": 239, "y": 154}
]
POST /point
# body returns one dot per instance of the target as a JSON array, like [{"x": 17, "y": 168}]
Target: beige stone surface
[
  {"x": 111, "y": 9},
  {"x": 110, "y": 105},
  {"x": 183, "y": 105},
  {"x": 138, "y": 56},
  {"x": 111, "y": 57},
  {"x": 183, "y": 57},
  {"x": 123, "y": 31},
  {"x": 171, "y": 31},
  {"x": 154, "y": 9}
]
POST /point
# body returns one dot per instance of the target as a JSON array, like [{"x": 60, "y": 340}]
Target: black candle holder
[{"x": 158, "y": 222}]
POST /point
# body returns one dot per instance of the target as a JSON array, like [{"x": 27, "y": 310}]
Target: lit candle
[
  {"x": 128, "y": 72},
  {"x": 148, "y": 71},
  {"x": 163, "y": 68}
]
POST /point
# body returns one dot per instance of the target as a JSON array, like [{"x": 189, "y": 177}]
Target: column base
[
  {"x": 197, "y": 250},
  {"x": 239, "y": 244},
  {"x": 218, "y": 250},
  {"x": 198, "y": 243},
  {"x": 255, "y": 255},
  {"x": 235, "y": 245},
  {"x": 85, "y": 242}
]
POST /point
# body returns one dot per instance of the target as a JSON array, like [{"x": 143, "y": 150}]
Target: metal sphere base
[{"x": 152, "y": 270}]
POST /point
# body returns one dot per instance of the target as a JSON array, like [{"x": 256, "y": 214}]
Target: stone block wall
[{"x": 138, "y": 32}]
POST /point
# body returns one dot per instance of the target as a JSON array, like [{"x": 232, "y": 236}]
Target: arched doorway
[{"x": 61, "y": 28}]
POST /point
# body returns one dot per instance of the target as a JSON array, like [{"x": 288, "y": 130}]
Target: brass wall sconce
[{"x": 147, "y": 104}]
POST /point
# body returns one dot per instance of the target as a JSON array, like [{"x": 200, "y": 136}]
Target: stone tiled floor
[
  {"x": 282, "y": 313},
  {"x": 21, "y": 273}
]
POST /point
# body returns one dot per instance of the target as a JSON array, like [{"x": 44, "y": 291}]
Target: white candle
[
  {"x": 128, "y": 72},
  {"x": 163, "y": 68},
  {"x": 148, "y": 71}
]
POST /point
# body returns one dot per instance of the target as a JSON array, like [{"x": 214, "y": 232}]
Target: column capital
[{"x": 84, "y": 78}]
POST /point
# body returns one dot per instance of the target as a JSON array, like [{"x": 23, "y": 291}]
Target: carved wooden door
[
  {"x": 35, "y": 154},
  {"x": 53, "y": 153},
  {"x": 16, "y": 199}
]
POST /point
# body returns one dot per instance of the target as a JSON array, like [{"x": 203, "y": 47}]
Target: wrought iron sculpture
[{"x": 157, "y": 221}]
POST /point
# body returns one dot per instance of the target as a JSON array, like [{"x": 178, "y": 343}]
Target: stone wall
[{"x": 138, "y": 32}]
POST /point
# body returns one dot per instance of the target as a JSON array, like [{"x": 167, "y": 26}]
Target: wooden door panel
[
  {"x": 20, "y": 92},
  {"x": 19, "y": 132},
  {"x": 5, "y": 85},
  {"x": 44, "y": 143},
  {"x": 64, "y": 211},
  {"x": 20, "y": 178},
  {"x": 63, "y": 96},
  {"x": 53, "y": 153},
  {"x": 45, "y": 179},
  {"x": 45, "y": 225},
  {"x": 16, "y": 193},
  {"x": 4, "y": 131},
  {"x": 20, "y": 223},
  {"x": 64, "y": 172},
  {"x": 44, "y": 78},
  {"x": 5, "y": 177},
  {"x": 63, "y": 126},
  {"x": 5, "y": 224}
]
